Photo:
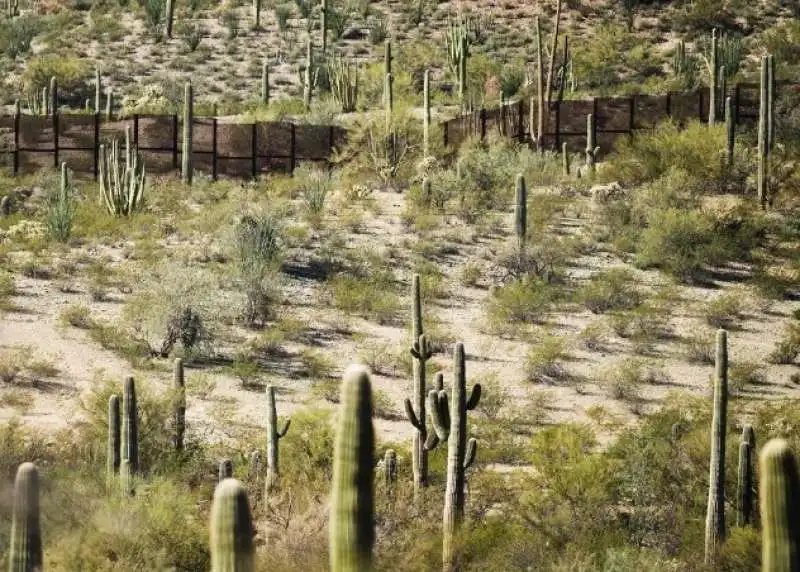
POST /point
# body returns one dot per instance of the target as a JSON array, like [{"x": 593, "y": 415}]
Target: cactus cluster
[
  {"x": 273, "y": 437},
  {"x": 122, "y": 179},
  {"x": 450, "y": 424},
  {"x": 344, "y": 83}
]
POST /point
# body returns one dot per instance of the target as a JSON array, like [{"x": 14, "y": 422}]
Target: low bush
[
  {"x": 521, "y": 302},
  {"x": 545, "y": 360},
  {"x": 724, "y": 311},
  {"x": 613, "y": 289}
]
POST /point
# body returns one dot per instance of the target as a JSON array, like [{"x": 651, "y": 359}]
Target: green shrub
[
  {"x": 544, "y": 361},
  {"x": 77, "y": 316},
  {"x": 610, "y": 290},
  {"x": 724, "y": 311},
  {"x": 700, "y": 348},
  {"x": 70, "y": 73},
  {"x": 788, "y": 347},
  {"x": 371, "y": 298},
  {"x": 523, "y": 301},
  {"x": 743, "y": 374},
  {"x": 17, "y": 34}
]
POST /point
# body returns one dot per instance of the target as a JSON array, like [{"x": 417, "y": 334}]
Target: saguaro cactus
[
  {"x": 98, "y": 90},
  {"x": 421, "y": 353},
  {"x": 324, "y": 23},
  {"x": 388, "y": 93},
  {"x": 780, "y": 499},
  {"x": 520, "y": 211},
  {"x": 25, "y": 545},
  {"x": 186, "y": 149},
  {"x": 462, "y": 69},
  {"x": 265, "y": 83},
  {"x": 308, "y": 77},
  {"x": 53, "y": 95},
  {"x": 565, "y": 158},
  {"x": 712, "y": 62},
  {"x": 730, "y": 132},
  {"x": 426, "y": 114},
  {"x": 179, "y": 407},
  {"x": 744, "y": 493},
  {"x": 232, "y": 548},
  {"x": 770, "y": 103},
  {"x": 591, "y": 147},
  {"x": 539, "y": 137},
  {"x": 715, "y": 514},
  {"x": 109, "y": 104},
  {"x": 169, "y": 17},
  {"x": 114, "y": 431},
  {"x": 129, "y": 450},
  {"x": 763, "y": 130},
  {"x": 256, "y": 14},
  {"x": 450, "y": 423},
  {"x": 273, "y": 436},
  {"x": 352, "y": 527}
]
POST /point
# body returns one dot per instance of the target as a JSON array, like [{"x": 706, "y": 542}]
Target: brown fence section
[
  {"x": 614, "y": 117},
  {"x": 31, "y": 142}
]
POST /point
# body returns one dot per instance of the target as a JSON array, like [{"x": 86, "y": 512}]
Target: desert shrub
[
  {"x": 77, "y": 316},
  {"x": 378, "y": 31},
  {"x": 610, "y": 290},
  {"x": 315, "y": 186},
  {"x": 522, "y": 301},
  {"x": 544, "y": 257},
  {"x": 191, "y": 35},
  {"x": 230, "y": 21},
  {"x": 70, "y": 73},
  {"x": 487, "y": 170},
  {"x": 372, "y": 297},
  {"x": 154, "y": 11},
  {"x": 17, "y": 34},
  {"x": 257, "y": 254},
  {"x": 724, "y": 311},
  {"x": 382, "y": 405},
  {"x": 700, "y": 347},
  {"x": 788, "y": 347},
  {"x": 594, "y": 336},
  {"x": 623, "y": 379},
  {"x": 743, "y": 374},
  {"x": 708, "y": 14},
  {"x": 544, "y": 361},
  {"x": 494, "y": 395},
  {"x": 174, "y": 303},
  {"x": 61, "y": 211}
]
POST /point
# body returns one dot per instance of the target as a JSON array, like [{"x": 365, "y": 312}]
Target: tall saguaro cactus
[
  {"x": 352, "y": 527},
  {"x": 179, "y": 407},
  {"x": 232, "y": 547},
  {"x": 520, "y": 211},
  {"x": 308, "y": 83},
  {"x": 25, "y": 545},
  {"x": 114, "y": 432},
  {"x": 256, "y": 14},
  {"x": 780, "y": 500},
  {"x": 416, "y": 412},
  {"x": 450, "y": 423},
  {"x": 169, "y": 17},
  {"x": 324, "y": 24},
  {"x": 273, "y": 436},
  {"x": 730, "y": 132},
  {"x": 770, "y": 103},
  {"x": 713, "y": 75},
  {"x": 715, "y": 513},
  {"x": 553, "y": 49},
  {"x": 539, "y": 138},
  {"x": 188, "y": 128},
  {"x": 763, "y": 130},
  {"x": 426, "y": 115},
  {"x": 265, "y": 83},
  {"x": 744, "y": 492},
  {"x": 98, "y": 90},
  {"x": 129, "y": 450}
]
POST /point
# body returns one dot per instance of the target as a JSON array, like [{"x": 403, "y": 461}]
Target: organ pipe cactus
[
  {"x": 129, "y": 449},
  {"x": 344, "y": 83},
  {"x": 352, "y": 527},
  {"x": 415, "y": 412},
  {"x": 186, "y": 148},
  {"x": 520, "y": 211},
  {"x": 273, "y": 436},
  {"x": 114, "y": 432},
  {"x": 744, "y": 493},
  {"x": 179, "y": 408},
  {"x": 715, "y": 513},
  {"x": 122, "y": 180},
  {"x": 25, "y": 545},
  {"x": 780, "y": 499},
  {"x": 456, "y": 38},
  {"x": 450, "y": 423},
  {"x": 232, "y": 548}
]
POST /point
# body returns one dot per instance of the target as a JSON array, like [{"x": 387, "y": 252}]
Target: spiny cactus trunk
[
  {"x": 565, "y": 159},
  {"x": 232, "y": 548},
  {"x": 25, "y": 545},
  {"x": 98, "y": 90},
  {"x": 763, "y": 113},
  {"x": 114, "y": 432},
  {"x": 324, "y": 25},
  {"x": 265, "y": 83},
  {"x": 53, "y": 95},
  {"x": 553, "y": 49},
  {"x": 520, "y": 211},
  {"x": 712, "y": 72},
  {"x": 591, "y": 147},
  {"x": 188, "y": 119},
  {"x": 539, "y": 139},
  {"x": 770, "y": 103},
  {"x": 130, "y": 425},
  {"x": 109, "y": 105},
  {"x": 780, "y": 499},
  {"x": 462, "y": 71},
  {"x": 388, "y": 91},
  {"x": 426, "y": 115},
  {"x": 744, "y": 493},
  {"x": 308, "y": 87},
  {"x": 416, "y": 412},
  {"x": 256, "y": 14},
  {"x": 179, "y": 411},
  {"x": 169, "y": 17},
  {"x": 730, "y": 132},
  {"x": 224, "y": 470},
  {"x": 352, "y": 528},
  {"x": 715, "y": 514},
  {"x": 273, "y": 436}
]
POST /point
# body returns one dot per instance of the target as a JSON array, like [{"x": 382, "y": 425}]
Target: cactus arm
[
  {"x": 282, "y": 432},
  {"x": 440, "y": 413},
  {"x": 411, "y": 416},
  {"x": 474, "y": 397},
  {"x": 472, "y": 449},
  {"x": 431, "y": 442}
]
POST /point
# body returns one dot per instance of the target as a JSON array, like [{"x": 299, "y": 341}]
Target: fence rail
[
  {"x": 31, "y": 142},
  {"x": 614, "y": 117}
]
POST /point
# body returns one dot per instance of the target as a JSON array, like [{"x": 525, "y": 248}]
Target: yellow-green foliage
[{"x": 69, "y": 72}]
